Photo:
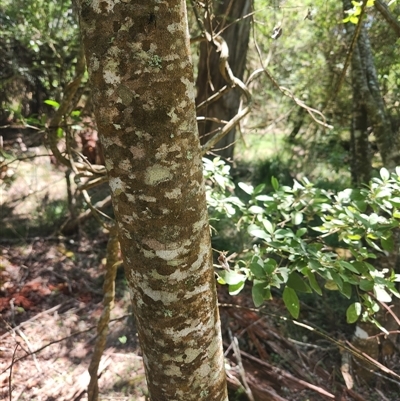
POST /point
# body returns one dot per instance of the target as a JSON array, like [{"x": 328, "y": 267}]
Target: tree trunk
[
  {"x": 142, "y": 81},
  {"x": 360, "y": 146},
  {"x": 237, "y": 39},
  {"x": 366, "y": 88}
]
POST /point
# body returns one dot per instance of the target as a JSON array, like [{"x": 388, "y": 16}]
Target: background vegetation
[{"x": 308, "y": 205}]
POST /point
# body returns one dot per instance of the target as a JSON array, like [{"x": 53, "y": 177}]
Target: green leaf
[
  {"x": 313, "y": 282},
  {"x": 337, "y": 279},
  {"x": 291, "y": 301},
  {"x": 297, "y": 218},
  {"x": 354, "y": 237},
  {"x": 354, "y": 20},
  {"x": 122, "y": 339},
  {"x": 246, "y": 188},
  {"x": 366, "y": 285},
  {"x": 282, "y": 273},
  {"x": 231, "y": 277},
  {"x": 300, "y": 232},
  {"x": 234, "y": 289},
  {"x": 387, "y": 244},
  {"x": 220, "y": 180},
  {"x": 346, "y": 290},
  {"x": 259, "y": 233},
  {"x": 75, "y": 113},
  {"x": 381, "y": 294},
  {"x": 348, "y": 266},
  {"x": 353, "y": 312},
  {"x": 259, "y": 188},
  {"x": 268, "y": 226},
  {"x": 331, "y": 285},
  {"x": 395, "y": 201},
  {"x": 260, "y": 293},
  {"x": 264, "y": 198},
  {"x": 256, "y": 209},
  {"x": 385, "y": 175},
  {"x": 297, "y": 283},
  {"x": 270, "y": 266},
  {"x": 53, "y": 103},
  {"x": 275, "y": 183},
  {"x": 257, "y": 267}
]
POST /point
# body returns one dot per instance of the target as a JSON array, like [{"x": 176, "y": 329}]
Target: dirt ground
[{"x": 51, "y": 299}]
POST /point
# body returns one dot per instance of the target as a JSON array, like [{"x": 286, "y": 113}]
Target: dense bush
[{"x": 305, "y": 237}]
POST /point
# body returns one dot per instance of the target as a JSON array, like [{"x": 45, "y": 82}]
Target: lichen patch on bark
[{"x": 156, "y": 174}]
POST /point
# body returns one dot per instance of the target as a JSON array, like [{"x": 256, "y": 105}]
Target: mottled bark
[
  {"x": 237, "y": 39},
  {"x": 143, "y": 94}
]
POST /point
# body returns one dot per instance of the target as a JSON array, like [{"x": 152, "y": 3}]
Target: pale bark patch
[
  {"x": 164, "y": 149},
  {"x": 173, "y": 27},
  {"x": 125, "y": 165},
  {"x": 147, "y": 198},
  {"x": 174, "y": 194},
  {"x": 116, "y": 185},
  {"x": 156, "y": 174},
  {"x": 97, "y": 5},
  {"x": 109, "y": 74},
  {"x": 94, "y": 64}
]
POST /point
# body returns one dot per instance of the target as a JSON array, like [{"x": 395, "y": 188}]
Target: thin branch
[
  {"x": 232, "y": 81},
  {"x": 242, "y": 372},
  {"x": 108, "y": 304},
  {"x": 285, "y": 91},
  {"x": 10, "y": 375},
  {"x": 216, "y": 138},
  {"x": 214, "y": 119},
  {"x": 25, "y": 338},
  {"x": 20, "y": 159},
  {"x": 349, "y": 55},
  {"x": 388, "y": 16},
  {"x": 59, "y": 341},
  {"x": 213, "y": 97},
  {"x": 290, "y": 377}
]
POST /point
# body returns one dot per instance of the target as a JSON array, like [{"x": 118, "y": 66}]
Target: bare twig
[
  {"x": 233, "y": 82},
  {"x": 108, "y": 303},
  {"x": 288, "y": 376},
  {"x": 366, "y": 357},
  {"x": 389, "y": 310},
  {"x": 214, "y": 97},
  {"x": 375, "y": 373},
  {"x": 236, "y": 351},
  {"x": 10, "y": 375},
  {"x": 285, "y": 91},
  {"x": 25, "y": 338},
  {"x": 77, "y": 333},
  {"x": 389, "y": 17},
  {"x": 37, "y": 316}
]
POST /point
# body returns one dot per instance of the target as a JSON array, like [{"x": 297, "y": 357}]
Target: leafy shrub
[{"x": 293, "y": 228}]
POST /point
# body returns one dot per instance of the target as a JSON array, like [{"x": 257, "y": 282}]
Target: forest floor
[{"x": 51, "y": 299}]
